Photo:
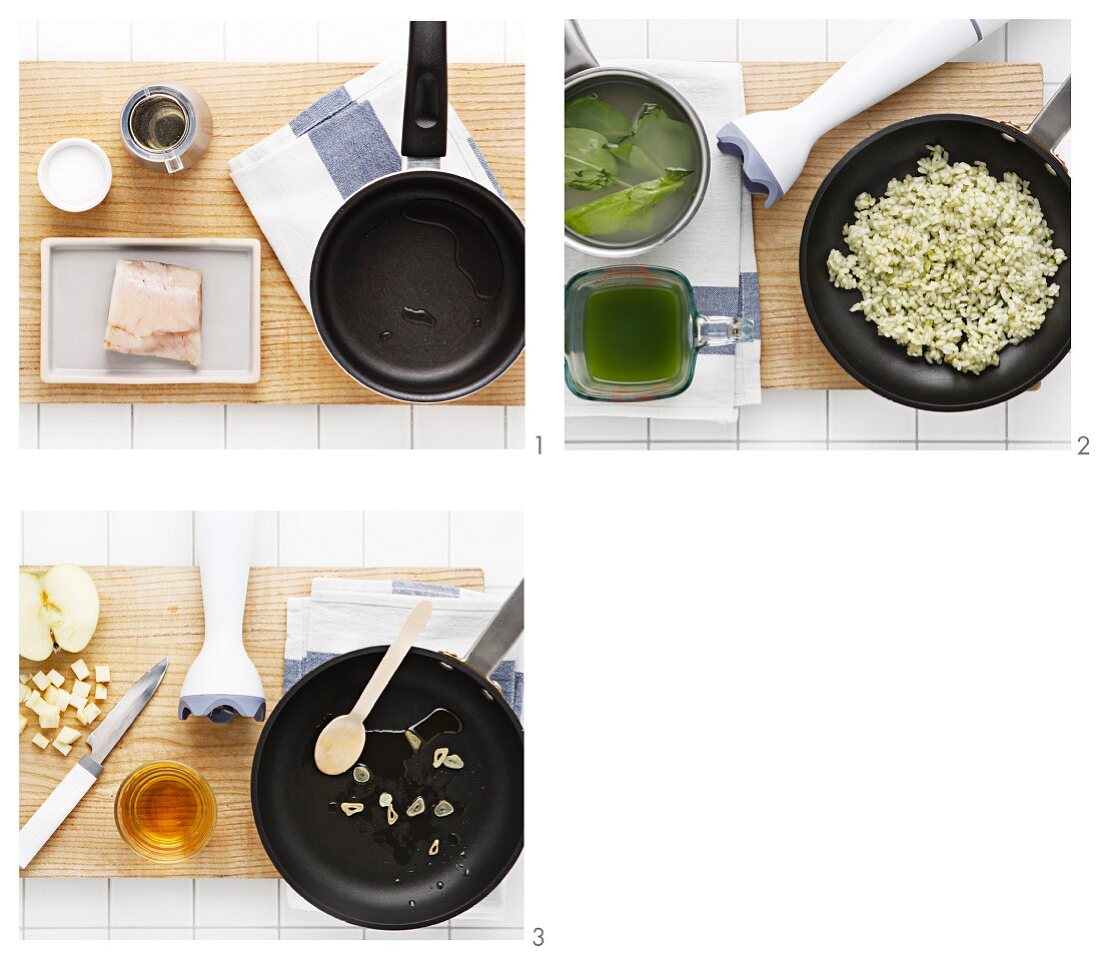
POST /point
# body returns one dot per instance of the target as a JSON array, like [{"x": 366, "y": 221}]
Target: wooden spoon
[{"x": 341, "y": 741}]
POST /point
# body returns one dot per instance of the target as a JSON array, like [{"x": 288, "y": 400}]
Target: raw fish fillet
[{"x": 156, "y": 310}]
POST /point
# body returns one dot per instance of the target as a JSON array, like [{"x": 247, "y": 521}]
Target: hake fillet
[{"x": 156, "y": 310}]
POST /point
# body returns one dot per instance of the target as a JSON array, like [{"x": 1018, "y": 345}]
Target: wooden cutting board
[
  {"x": 248, "y": 102},
  {"x": 792, "y": 356},
  {"x": 147, "y": 614}
]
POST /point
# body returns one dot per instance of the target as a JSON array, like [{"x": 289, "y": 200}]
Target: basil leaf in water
[
  {"x": 657, "y": 143},
  {"x": 632, "y": 207},
  {"x": 592, "y": 114},
  {"x": 588, "y": 163}
]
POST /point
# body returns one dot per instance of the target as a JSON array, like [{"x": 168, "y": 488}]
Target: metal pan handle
[
  {"x": 1051, "y": 124},
  {"x": 499, "y": 636},
  {"x": 424, "y": 127},
  {"x": 578, "y": 56}
]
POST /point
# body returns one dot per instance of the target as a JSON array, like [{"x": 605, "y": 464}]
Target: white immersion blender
[
  {"x": 222, "y": 682},
  {"x": 774, "y": 145}
]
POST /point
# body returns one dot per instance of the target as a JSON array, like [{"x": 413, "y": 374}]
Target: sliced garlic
[
  {"x": 434, "y": 849},
  {"x": 416, "y": 807},
  {"x": 454, "y": 762},
  {"x": 360, "y": 774},
  {"x": 413, "y": 740},
  {"x": 439, "y": 756},
  {"x": 385, "y": 799},
  {"x": 391, "y": 815},
  {"x": 351, "y": 808},
  {"x": 443, "y": 809}
]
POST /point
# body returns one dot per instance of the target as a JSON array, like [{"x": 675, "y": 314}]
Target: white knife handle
[
  {"x": 904, "y": 51},
  {"x": 59, "y": 804}
]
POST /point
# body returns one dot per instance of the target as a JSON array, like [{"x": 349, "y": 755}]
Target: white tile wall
[
  {"x": 845, "y": 419},
  {"x": 210, "y": 426},
  {"x": 177, "y": 908}
]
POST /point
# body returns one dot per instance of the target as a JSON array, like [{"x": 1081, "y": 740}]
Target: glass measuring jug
[{"x": 633, "y": 333}]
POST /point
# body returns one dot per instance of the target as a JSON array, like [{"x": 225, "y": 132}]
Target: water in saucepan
[{"x": 619, "y": 135}]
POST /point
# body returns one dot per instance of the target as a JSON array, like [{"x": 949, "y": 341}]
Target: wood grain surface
[
  {"x": 248, "y": 102},
  {"x": 792, "y": 356},
  {"x": 147, "y": 614}
]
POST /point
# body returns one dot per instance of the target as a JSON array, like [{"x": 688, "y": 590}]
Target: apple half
[{"x": 60, "y": 606}]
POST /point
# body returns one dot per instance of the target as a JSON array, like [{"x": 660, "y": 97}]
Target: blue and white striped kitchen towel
[
  {"x": 295, "y": 179},
  {"x": 715, "y": 251},
  {"x": 342, "y": 615}
]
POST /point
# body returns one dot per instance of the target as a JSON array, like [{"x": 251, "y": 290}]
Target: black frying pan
[
  {"x": 359, "y": 868},
  {"x": 417, "y": 281},
  {"x": 879, "y": 363}
]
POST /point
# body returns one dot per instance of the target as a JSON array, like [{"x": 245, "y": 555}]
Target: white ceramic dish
[
  {"x": 74, "y": 174},
  {"x": 76, "y": 293}
]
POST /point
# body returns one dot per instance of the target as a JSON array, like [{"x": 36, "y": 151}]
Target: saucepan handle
[
  {"x": 578, "y": 56},
  {"x": 1051, "y": 124},
  {"x": 424, "y": 127},
  {"x": 499, "y": 635}
]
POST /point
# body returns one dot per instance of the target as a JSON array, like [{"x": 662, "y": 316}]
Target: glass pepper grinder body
[{"x": 166, "y": 126}]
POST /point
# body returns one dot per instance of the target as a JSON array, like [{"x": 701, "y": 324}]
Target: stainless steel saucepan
[{"x": 583, "y": 73}]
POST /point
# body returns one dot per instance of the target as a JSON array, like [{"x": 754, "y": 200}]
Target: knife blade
[{"x": 78, "y": 781}]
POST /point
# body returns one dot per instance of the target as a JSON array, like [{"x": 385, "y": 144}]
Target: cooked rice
[{"x": 951, "y": 263}]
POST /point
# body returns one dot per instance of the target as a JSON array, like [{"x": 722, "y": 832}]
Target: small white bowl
[{"x": 74, "y": 175}]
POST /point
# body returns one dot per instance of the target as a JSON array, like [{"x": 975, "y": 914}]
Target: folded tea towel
[
  {"x": 295, "y": 179},
  {"x": 342, "y": 615},
  {"x": 715, "y": 251}
]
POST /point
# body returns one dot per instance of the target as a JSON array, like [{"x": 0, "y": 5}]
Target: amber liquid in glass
[{"x": 165, "y": 811}]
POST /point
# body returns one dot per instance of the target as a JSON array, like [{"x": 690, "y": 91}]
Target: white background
[
  {"x": 835, "y": 419},
  {"x": 787, "y": 709},
  {"x": 171, "y": 908},
  {"x": 144, "y": 426}
]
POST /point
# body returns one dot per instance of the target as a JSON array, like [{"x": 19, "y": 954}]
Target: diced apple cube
[
  {"x": 40, "y": 741},
  {"x": 24, "y": 677},
  {"x": 77, "y": 702},
  {"x": 82, "y": 689},
  {"x": 63, "y": 699},
  {"x": 102, "y": 673},
  {"x": 100, "y": 691},
  {"x": 68, "y": 735},
  {"x": 88, "y": 714},
  {"x": 51, "y": 695},
  {"x": 63, "y": 748},
  {"x": 80, "y": 669},
  {"x": 24, "y": 691},
  {"x": 49, "y": 717},
  {"x": 22, "y": 724},
  {"x": 33, "y": 697},
  {"x": 41, "y": 680},
  {"x": 56, "y": 678}
]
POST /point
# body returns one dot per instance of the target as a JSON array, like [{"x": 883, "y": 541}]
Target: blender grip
[
  {"x": 903, "y": 52},
  {"x": 223, "y": 545}
]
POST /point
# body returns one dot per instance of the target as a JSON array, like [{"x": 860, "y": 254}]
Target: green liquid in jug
[{"x": 634, "y": 334}]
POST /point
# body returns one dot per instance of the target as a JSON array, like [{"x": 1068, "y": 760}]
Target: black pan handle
[
  {"x": 499, "y": 635},
  {"x": 424, "y": 128}
]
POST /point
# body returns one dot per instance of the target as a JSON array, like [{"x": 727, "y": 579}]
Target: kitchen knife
[{"x": 59, "y": 804}]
